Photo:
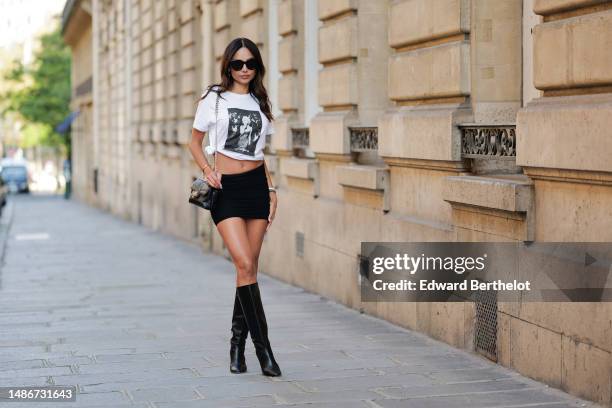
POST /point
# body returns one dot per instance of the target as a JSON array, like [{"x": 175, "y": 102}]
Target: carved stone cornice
[
  {"x": 335, "y": 157},
  {"x": 569, "y": 176}
]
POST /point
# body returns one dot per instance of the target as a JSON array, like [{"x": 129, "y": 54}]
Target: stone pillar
[
  {"x": 121, "y": 118},
  {"x": 429, "y": 88},
  {"x": 252, "y": 25},
  {"x": 478, "y": 207},
  {"x": 130, "y": 128},
  {"x": 291, "y": 67},
  {"x": 352, "y": 85},
  {"x": 496, "y": 72},
  {"x": 189, "y": 61},
  {"x": 112, "y": 59},
  {"x": 102, "y": 103},
  {"x": 135, "y": 97},
  {"x": 206, "y": 43},
  {"x": 338, "y": 80},
  {"x": 564, "y": 143},
  {"x": 429, "y": 81},
  {"x": 226, "y": 25},
  {"x": 147, "y": 100},
  {"x": 96, "y": 80},
  {"x": 565, "y": 134},
  {"x": 495, "y": 60}
]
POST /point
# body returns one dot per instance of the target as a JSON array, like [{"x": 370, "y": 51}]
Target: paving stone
[
  {"x": 21, "y": 364},
  {"x": 326, "y": 396},
  {"x": 111, "y": 398},
  {"x": 224, "y": 391},
  {"x": 35, "y": 372},
  {"x": 438, "y": 390},
  {"x": 363, "y": 382},
  {"x": 164, "y": 394},
  {"x": 514, "y": 398},
  {"x": 470, "y": 374},
  {"x": 115, "y": 358},
  {"x": 25, "y": 381},
  {"x": 257, "y": 401}
]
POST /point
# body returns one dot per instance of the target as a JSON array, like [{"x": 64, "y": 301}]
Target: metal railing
[
  {"x": 363, "y": 139},
  {"x": 488, "y": 141},
  {"x": 300, "y": 141},
  {"x": 300, "y": 137}
]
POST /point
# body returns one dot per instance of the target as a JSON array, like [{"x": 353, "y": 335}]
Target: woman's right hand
[{"x": 213, "y": 178}]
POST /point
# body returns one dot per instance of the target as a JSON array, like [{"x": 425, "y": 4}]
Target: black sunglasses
[{"x": 237, "y": 64}]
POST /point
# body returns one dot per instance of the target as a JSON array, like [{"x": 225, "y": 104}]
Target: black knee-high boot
[
  {"x": 240, "y": 332},
  {"x": 250, "y": 299}
]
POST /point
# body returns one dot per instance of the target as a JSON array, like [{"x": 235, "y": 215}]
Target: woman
[{"x": 247, "y": 202}]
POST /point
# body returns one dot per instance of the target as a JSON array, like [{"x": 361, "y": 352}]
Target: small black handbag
[{"x": 202, "y": 194}]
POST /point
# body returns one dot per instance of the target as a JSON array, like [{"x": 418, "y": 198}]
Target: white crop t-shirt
[{"x": 241, "y": 125}]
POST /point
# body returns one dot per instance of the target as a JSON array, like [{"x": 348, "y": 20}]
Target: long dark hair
[{"x": 256, "y": 86}]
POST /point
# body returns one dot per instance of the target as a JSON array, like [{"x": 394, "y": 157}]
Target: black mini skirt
[{"x": 243, "y": 195}]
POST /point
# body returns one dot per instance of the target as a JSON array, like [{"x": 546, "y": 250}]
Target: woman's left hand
[{"x": 273, "y": 202}]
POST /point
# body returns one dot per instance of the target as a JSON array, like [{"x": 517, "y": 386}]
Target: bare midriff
[{"x": 228, "y": 165}]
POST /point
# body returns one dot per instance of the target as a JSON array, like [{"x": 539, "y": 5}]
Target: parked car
[{"x": 16, "y": 177}]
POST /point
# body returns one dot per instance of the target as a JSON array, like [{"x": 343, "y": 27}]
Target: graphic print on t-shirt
[{"x": 244, "y": 129}]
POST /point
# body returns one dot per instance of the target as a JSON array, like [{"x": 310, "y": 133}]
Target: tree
[{"x": 40, "y": 93}]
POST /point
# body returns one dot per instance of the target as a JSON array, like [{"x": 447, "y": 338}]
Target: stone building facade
[{"x": 396, "y": 120}]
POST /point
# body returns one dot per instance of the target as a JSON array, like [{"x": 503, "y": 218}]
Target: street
[{"x": 133, "y": 317}]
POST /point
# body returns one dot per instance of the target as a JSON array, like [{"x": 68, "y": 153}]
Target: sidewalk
[{"x": 136, "y": 318}]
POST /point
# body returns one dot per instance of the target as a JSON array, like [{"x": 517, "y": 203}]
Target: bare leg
[
  {"x": 233, "y": 230},
  {"x": 234, "y": 233},
  {"x": 252, "y": 306},
  {"x": 256, "y": 228}
]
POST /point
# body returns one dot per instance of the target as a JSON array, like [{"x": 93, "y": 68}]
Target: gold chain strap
[{"x": 216, "y": 133}]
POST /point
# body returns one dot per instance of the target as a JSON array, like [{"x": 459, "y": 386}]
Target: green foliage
[
  {"x": 40, "y": 134},
  {"x": 40, "y": 93}
]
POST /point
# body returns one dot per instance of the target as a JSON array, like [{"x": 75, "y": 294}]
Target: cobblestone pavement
[{"x": 137, "y": 318}]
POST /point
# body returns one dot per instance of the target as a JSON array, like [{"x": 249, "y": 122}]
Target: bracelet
[{"x": 272, "y": 189}]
